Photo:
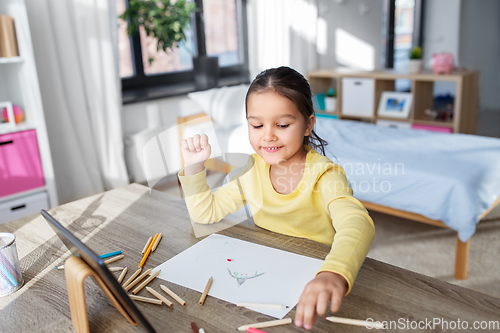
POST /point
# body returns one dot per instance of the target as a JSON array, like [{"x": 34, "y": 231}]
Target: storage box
[
  {"x": 432, "y": 128},
  {"x": 358, "y": 97},
  {"x": 20, "y": 164},
  {"x": 24, "y": 206},
  {"x": 394, "y": 124}
]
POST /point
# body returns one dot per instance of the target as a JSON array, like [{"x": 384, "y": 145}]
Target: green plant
[
  {"x": 415, "y": 52},
  {"x": 164, "y": 20},
  {"x": 331, "y": 93}
]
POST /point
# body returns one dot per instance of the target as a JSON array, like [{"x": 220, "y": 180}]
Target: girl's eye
[
  {"x": 283, "y": 126},
  {"x": 256, "y": 126}
]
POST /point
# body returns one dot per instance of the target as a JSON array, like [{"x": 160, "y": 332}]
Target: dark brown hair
[{"x": 290, "y": 84}]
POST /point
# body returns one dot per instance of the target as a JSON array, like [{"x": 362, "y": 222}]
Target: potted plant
[
  {"x": 167, "y": 21},
  {"x": 331, "y": 100},
  {"x": 415, "y": 61}
]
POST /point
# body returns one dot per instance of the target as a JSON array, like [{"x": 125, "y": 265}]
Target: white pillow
[{"x": 225, "y": 105}]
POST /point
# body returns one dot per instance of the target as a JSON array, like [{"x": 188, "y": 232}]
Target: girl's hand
[
  {"x": 195, "y": 151},
  {"x": 326, "y": 286}
]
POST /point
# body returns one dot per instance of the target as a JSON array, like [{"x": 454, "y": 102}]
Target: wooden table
[{"x": 124, "y": 218}]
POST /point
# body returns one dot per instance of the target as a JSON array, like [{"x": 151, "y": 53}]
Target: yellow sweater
[{"x": 320, "y": 208}]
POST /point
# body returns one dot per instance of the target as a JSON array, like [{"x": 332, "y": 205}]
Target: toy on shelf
[
  {"x": 18, "y": 113},
  {"x": 442, "y": 63}
]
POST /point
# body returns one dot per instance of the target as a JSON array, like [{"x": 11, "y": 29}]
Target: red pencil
[
  {"x": 254, "y": 330},
  {"x": 194, "y": 327}
]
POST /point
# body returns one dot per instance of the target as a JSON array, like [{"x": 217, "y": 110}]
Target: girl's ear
[{"x": 310, "y": 124}]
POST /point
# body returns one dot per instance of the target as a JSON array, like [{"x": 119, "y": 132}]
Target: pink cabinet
[{"x": 20, "y": 164}]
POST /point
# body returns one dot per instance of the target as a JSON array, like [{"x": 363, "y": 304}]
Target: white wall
[
  {"x": 480, "y": 47},
  {"x": 350, "y": 34}
]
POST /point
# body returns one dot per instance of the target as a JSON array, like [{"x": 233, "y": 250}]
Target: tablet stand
[{"x": 76, "y": 271}]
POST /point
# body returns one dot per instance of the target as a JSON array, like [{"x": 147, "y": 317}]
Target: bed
[{"x": 447, "y": 180}]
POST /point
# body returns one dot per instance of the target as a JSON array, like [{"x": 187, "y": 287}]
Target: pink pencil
[{"x": 254, "y": 330}]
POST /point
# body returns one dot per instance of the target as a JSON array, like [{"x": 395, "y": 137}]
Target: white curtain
[
  {"x": 282, "y": 33},
  {"x": 74, "y": 42}
]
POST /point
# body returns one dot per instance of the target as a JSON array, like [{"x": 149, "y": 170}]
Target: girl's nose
[{"x": 269, "y": 135}]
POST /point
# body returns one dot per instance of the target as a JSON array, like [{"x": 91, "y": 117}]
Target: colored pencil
[
  {"x": 262, "y": 305},
  {"x": 159, "y": 296},
  {"x": 109, "y": 261},
  {"x": 201, "y": 330},
  {"x": 355, "y": 322},
  {"x": 146, "y": 254},
  {"x": 266, "y": 324},
  {"x": 160, "y": 235},
  {"x": 107, "y": 255},
  {"x": 147, "y": 245},
  {"x": 122, "y": 275},
  {"x": 205, "y": 292},
  {"x": 194, "y": 327},
  {"x": 145, "y": 282},
  {"x": 137, "y": 280},
  {"x": 145, "y": 299},
  {"x": 173, "y": 295},
  {"x": 115, "y": 269},
  {"x": 254, "y": 330},
  {"x": 130, "y": 279}
]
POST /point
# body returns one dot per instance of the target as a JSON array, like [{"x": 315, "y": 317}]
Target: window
[
  {"x": 404, "y": 30},
  {"x": 217, "y": 29}
]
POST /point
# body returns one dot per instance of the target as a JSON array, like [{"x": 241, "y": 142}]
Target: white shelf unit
[{"x": 19, "y": 85}]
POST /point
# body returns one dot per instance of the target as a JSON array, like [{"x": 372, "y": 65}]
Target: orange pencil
[{"x": 148, "y": 251}]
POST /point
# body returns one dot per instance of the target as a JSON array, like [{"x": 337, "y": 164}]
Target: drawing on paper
[
  {"x": 227, "y": 252},
  {"x": 242, "y": 277}
]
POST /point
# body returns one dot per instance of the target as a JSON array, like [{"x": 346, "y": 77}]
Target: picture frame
[
  {"x": 394, "y": 104},
  {"x": 10, "y": 113}
]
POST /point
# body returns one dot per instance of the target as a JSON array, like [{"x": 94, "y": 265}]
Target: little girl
[{"x": 289, "y": 187}]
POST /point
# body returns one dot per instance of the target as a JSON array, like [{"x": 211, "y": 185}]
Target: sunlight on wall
[
  {"x": 353, "y": 52},
  {"x": 322, "y": 37},
  {"x": 304, "y": 23}
]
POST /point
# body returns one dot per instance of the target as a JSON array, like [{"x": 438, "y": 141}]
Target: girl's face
[{"x": 277, "y": 128}]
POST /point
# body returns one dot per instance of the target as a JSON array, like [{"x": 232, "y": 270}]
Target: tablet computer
[{"x": 97, "y": 264}]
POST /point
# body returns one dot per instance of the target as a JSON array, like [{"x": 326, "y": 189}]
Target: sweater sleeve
[
  {"x": 354, "y": 228},
  {"x": 206, "y": 207}
]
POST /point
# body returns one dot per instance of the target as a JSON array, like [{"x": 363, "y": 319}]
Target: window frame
[
  {"x": 418, "y": 32},
  {"x": 143, "y": 87}
]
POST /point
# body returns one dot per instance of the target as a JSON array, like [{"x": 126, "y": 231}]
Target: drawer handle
[
  {"x": 358, "y": 83},
  {"x": 18, "y": 207},
  {"x": 6, "y": 142}
]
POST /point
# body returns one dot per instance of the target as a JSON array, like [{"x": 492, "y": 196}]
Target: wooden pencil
[
  {"x": 145, "y": 299},
  {"x": 173, "y": 295},
  {"x": 148, "y": 251},
  {"x": 136, "y": 281},
  {"x": 109, "y": 261},
  {"x": 205, "y": 292},
  {"x": 145, "y": 283},
  {"x": 130, "y": 279},
  {"x": 266, "y": 324},
  {"x": 122, "y": 275},
  {"x": 160, "y": 296},
  {"x": 262, "y": 305},
  {"x": 147, "y": 245},
  {"x": 356, "y": 322},
  {"x": 160, "y": 235},
  {"x": 115, "y": 269}
]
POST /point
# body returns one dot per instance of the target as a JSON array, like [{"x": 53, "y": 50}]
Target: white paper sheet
[{"x": 242, "y": 272}]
